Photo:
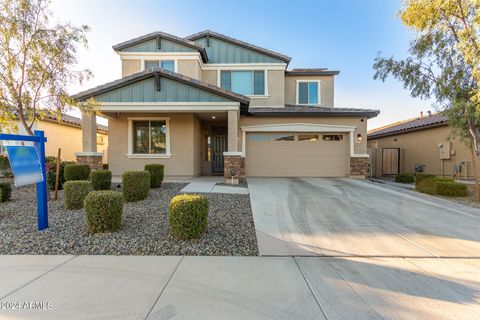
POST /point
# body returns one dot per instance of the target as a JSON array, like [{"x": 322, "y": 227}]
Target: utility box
[{"x": 445, "y": 150}]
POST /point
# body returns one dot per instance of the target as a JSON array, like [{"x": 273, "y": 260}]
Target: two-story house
[{"x": 209, "y": 104}]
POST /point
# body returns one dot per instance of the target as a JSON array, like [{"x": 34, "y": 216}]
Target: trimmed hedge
[
  {"x": 6, "y": 191},
  {"x": 103, "y": 211},
  {"x": 421, "y": 176},
  {"x": 52, "y": 171},
  {"x": 101, "y": 180},
  {"x": 452, "y": 189},
  {"x": 442, "y": 186},
  {"x": 404, "y": 178},
  {"x": 77, "y": 172},
  {"x": 135, "y": 185},
  {"x": 75, "y": 193},
  {"x": 188, "y": 216},
  {"x": 1, "y": 195},
  {"x": 156, "y": 171}
]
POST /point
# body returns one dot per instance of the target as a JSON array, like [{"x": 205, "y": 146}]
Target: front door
[{"x": 219, "y": 145}]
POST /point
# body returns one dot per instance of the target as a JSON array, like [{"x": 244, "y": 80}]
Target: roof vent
[
  {"x": 429, "y": 113},
  {"x": 421, "y": 114}
]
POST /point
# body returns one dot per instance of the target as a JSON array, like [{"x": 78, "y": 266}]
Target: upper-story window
[
  {"x": 164, "y": 64},
  {"x": 248, "y": 83},
  {"x": 308, "y": 92}
]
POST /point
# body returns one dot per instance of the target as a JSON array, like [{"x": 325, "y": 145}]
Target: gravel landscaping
[
  {"x": 145, "y": 227},
  {"x": 470, "y": 200}
]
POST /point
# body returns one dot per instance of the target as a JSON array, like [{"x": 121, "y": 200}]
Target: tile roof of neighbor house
[
  {"x": 419, "y": 123},
  {"x": 312, "y": 72},
  {"x": 307, "y": 110},
  {"x": 70, "y": 120},
  {"x": 164, "y": 35},
  {"x": 240, "y": 43},
  {"x": 163, "y": 73}
]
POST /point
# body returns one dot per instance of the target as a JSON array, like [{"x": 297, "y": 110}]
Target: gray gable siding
[
  {"x": 151, "y": 46},
  {"x": 171, "y": 91},
  {"x": 224, "y": 52}
]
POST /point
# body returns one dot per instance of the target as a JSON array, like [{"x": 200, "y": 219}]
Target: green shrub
[
  {"x": 451, "y": 189},
  {"x": 77, "y": 172},
  {"x": 135, "y": 185},
  {"x": 421, "y": 176},
  {"x": 188, "y": 216},
  {"x": 4, "y": 163},
  {"x": 443, "y": 186},
  {"x": 404, "y": 178},
  {"x": 1, "y": 195},
  {"x": 426, "y": 185},
  {"x": 6, "y": 191},
  {"x": 156, "y": 172},
  {"x": 52, "y": 171},
  {"x": 103, "y": 211},
  {"x": 101, "y": 180},
  {"x": 75, "y": 193}
]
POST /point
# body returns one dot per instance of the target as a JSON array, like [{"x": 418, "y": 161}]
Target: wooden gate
[{"x": 390, "y": 161}]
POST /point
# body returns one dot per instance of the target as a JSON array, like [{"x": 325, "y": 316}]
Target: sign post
[{"x": 28, "y": 166}]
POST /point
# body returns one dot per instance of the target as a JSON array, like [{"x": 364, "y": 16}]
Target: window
[
  {"x": 284, "y": 137},
  {"x": 165, "y": 64},
  {"x": 332, "y": 137},
  {"x": 248, "y": 83},
  {"x": 150, "y": 137},
  {"x": 308, "y": 137},
  {"x": 308, "y": 92}
]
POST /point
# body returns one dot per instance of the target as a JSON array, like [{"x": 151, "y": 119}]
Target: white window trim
[
  {"x": 319, "y": 85},
  {"x": 265, "y": 72},
  {"x": 143, "y": 62},
  {"x": 132, "y": 155}
]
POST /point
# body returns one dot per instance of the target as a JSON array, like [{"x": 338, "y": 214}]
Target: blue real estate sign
[{"x": 25, "y": 164}]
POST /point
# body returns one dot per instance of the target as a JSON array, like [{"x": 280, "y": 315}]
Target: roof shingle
[
  {"x": 434, "y": 120},
  {"x": 303, "y": 110}
]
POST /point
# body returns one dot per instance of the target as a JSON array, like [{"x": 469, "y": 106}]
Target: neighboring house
[
  {"x": 208, "y": 103},
  {"x": 66, "y": 134},
  {"x": 421, "y": 144}
]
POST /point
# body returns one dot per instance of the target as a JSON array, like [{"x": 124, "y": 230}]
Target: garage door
[{"x": 296, "y": 155}]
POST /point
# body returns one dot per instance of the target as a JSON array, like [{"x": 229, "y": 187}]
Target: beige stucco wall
[
  {"x": 190, "y": 68},
  {"x": 69, "y": 138},
  {"x": 361, "y": 126},
  {"x": 130, "y": 66},
  {"x": 181, "y": 164},
  {"x": 421, "y": 147},
  {"x": 326, "y": 89},
  {"x": 197, "y": 147}
]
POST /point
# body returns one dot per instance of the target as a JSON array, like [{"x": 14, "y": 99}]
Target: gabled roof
[
  {"x": 163, "y": 35},
  {"x": 306, "y": 110},
  {"x": 70, "y": 120},
  {"x": 414, "y": 124},
  {"x": 312, "y": 72},
  {"x": 243, "y": 100},
  {"x": 209, "y": 33}
]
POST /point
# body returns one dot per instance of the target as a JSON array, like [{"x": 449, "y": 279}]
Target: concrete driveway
[{"x": 347, "y": 217}]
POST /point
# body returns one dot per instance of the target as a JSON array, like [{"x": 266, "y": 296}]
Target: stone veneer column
[
  {"x": 89, "y": 154},
  {"x": 358, "y": 167},
  {"x": 234, "y": 167}
]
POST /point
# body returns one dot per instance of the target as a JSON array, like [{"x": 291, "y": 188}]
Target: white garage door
[{"x": 296, "y": 155}]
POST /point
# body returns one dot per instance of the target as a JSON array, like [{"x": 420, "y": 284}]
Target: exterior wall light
[{"x": 359, "y": 138}]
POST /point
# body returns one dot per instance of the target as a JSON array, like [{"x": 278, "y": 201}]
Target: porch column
[
  {"x": 233, "y": 130},
  {"x": 233, "y": 161},
  {"x": 89, "y": 154}
]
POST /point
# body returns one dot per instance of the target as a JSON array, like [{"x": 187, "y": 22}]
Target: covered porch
[{"x": 157, "y": 116}]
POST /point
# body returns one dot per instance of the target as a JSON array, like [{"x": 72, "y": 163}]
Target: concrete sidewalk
[
  {"x": 208, "y": 184},
  {"x": 152, "y": 287}
]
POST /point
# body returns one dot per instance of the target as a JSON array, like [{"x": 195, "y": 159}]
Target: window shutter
[
  {"x": 259, "y": 82},
  {"x": 303, "y": 92},
  {"x": 226, "y": 80}
]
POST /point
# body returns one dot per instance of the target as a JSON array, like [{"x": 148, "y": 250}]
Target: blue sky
[{"x": 342, "y": 35}]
